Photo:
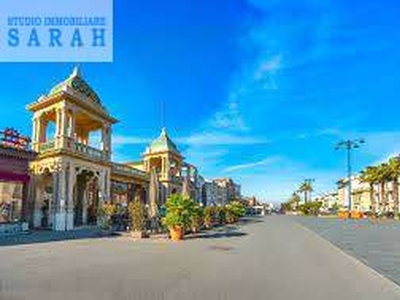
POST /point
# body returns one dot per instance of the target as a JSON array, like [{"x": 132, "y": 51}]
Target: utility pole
[{"x": 348, "y": 145}]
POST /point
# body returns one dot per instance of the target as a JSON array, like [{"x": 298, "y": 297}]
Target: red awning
[{"x": 9, "y": 176}]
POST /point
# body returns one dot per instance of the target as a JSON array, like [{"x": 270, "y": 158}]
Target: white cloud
[
  {"x": 267, "y": 70},
  {"x": 265, "y": 162},
  {"x": 129, "y": 140},
  {"x": 220, "y": 138},
  {"x": 198, "y": 139},
  {"x": 229, "y": 118}
]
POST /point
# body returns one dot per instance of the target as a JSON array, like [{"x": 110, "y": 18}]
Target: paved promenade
[
  {"x": 375, "y": 244},
  {"x": 268, "y": 258}
]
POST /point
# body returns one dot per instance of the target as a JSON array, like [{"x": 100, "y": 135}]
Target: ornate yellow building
[
  {"x": 72, "y": 176},
  {"x": 164, "y": 156}
]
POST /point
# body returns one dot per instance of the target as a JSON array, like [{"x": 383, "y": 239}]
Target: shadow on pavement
[
  {"x": 217, "y": 235},
  {"x": 35, "y": 237},
  {"x": 252, "y": 219},
  {"x": 219, "y": 232}
]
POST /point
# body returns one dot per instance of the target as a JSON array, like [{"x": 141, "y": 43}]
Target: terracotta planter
[
  {"x": 176, "y": 233},
  {"x": 356, "y": 215},
  {"x": 343, "y": 214}
]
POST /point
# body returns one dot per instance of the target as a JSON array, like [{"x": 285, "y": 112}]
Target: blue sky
[{"x": 256, "y": 90}]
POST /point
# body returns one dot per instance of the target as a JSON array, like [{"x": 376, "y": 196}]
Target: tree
[
  {"x": 370, "y": 175},
  {"x": 383, "y": 174},
  {"x": 306, "y": 188},
  {"x": 311, "y": 208},
  {"x": 294, "y": 200},
  {"x": 394, "y": 174}
]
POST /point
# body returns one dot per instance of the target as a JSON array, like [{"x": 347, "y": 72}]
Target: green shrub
[
  {"x": 179, "y": 210},
  {"x": 106, "y": 212},
  {"x": 310, "y": 208},
  {"x": 136, "y": 216},
  {"x": 196, "y": 218},
  {"x": 221, "y": 215},
  {"x": 209, "y": 216},
  {"x": 234, "y": 210}
]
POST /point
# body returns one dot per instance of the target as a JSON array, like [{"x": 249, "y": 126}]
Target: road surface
[{"x": 274, "y": 257}]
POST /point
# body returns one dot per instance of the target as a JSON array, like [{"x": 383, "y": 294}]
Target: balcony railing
[
  {"x": 44, "y": 147},
  {"x": 75, "y": 147},
  {"x": 90, "y": 151},
  {"x": 126, "y": 170}
]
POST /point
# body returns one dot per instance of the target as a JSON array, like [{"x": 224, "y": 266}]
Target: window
[{"x": 10, "y": 202}]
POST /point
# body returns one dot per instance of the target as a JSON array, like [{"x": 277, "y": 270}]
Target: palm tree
[
  {"x": 370, "y": 176},
  {"x": 306, "y": 188},
  {"x": 294, "y": 200},
  {"x": 394, "y": 174},
  {"x": 383, "y": 173}
]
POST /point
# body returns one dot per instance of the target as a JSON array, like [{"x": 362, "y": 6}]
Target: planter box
[
  {"x": 138, "y": 234},
  {"x": 356, "y": 215}
]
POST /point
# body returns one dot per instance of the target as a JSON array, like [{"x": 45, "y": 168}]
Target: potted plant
[
  {"x": 107, "y": 210},
  {"x": 196, "y": 219},
  {"x": 209, "y": 217},
  {"x": 234, "y": 211},
  {"x": 230, "y": 216},
  {"x": 137, "y": 219},
  {"x": 221, "y": 215},
  {"x": 178, "y": 212}
]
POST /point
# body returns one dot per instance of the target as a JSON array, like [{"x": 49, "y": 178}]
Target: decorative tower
[
  {"x": 72, "y": 134},
  {"x": 163, "y": 156}
]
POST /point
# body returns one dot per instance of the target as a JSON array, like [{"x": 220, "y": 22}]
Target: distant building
[
  {"x": 210, "y": 193},
  {"x": 360, "y": 194},
  {"x": 227, "y": 190},
  {"x": 329, "y": 200}
]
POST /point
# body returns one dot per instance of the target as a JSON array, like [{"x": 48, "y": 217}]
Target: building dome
[
  {"x": 76, "y": 83},
  {"x": 162, "y": 143}
]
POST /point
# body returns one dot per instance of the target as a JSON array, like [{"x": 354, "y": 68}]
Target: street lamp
[{"x": 348, "y": 145}]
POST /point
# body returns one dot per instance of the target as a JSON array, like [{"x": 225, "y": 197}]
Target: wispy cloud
[
  {"x": 197, "y": 139},
  {"x": 264, "y": 162},
  {"x": 220, "y": 138},
  {"x": 129, "y": 140},
  {"x": 229, "y": 118}
]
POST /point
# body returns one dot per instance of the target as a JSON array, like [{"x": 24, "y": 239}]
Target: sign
[
  {"x": 56, "y": 31},
  {"x": 11, "y": 138}
]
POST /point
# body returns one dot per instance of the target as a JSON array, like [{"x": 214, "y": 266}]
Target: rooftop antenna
[{"x": 163, "y": 125}]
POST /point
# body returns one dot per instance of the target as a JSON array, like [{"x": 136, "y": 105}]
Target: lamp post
[{"x": 348, "y": 145}]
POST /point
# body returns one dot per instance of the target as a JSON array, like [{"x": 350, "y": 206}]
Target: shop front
[{"x": 15, "y": 156}]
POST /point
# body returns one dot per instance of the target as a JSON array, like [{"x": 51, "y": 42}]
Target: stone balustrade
[{"x": 126, "y": 170}]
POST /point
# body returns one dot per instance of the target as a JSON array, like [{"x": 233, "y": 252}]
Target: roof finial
[
  {"x": 76, "y": 72},
  {"x": 164, "y": 131}
]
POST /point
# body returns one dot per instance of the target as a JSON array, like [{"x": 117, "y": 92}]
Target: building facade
[
  {"x": 72, "y": 176},
  {"x": 14, "y": 181},
  {"x": 360, "y": 194},
  {"x": 69, "y": 174}
]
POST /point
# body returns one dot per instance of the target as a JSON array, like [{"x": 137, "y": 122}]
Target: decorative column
[
  {"x": 42, "y": 130},
  {"x": 25, "y": 205},
  {"x": 84, "y": 204},
  {"x": 35, "y": 133},
  {"x": 57, "y": 134},
  {"x": 36, "y": 191},
  {"x": 64, "y": 127},
  {"x": 71, "y": 134},
  {"x": 106, "y": 140},
  {"x": 59, "y": 193},
  {"x": 70, "y": 176}
]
